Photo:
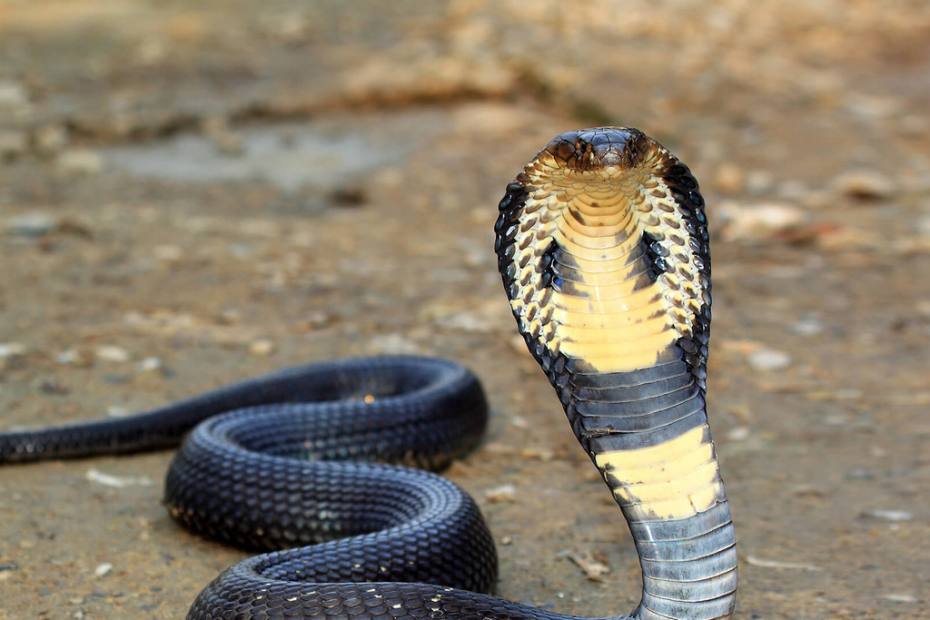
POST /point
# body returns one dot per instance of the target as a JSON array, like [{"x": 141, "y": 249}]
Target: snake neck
[
  {"x": 603, "y": 249},
  {"x": 646, "y": 432}
]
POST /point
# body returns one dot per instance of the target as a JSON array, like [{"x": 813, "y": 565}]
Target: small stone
[
  {"x": 765, "y": 563},
  {"x": 31, "y": 225},
  {"x": 739, "y": 433},
  {"x": 729, "y": 178},
  {"x": 75, "y": 357},
  {"x": 150, "y": 364},
  {"x": 52, "y": 387},
  {"x": 860, "y": 473},
  {"x": 394, "y": 344},
  {"x": 103, "y": 569},
  {"x": 116, "y": 482},
  {"x": 758, "y": 222},
  {"x": 79, "y": 162},
  {"x": 115, "y": 411},
  {"x": 111, "y": 353},
  {"x": 11, "y": 349},
  {"x": 864, "y": 185},
  {"x": 467, "y": 321},
  {"x": 261, "y": 347},
  {"x": 348, "y": 196},
  {"x": 899, "y": 598},
  {"x": 503, "y": 493},
  {"x": 807, "y": 326},
  {"x": 769, "y": 359},
  {"x": 168, "y": 253},
  {"x": 506, "y": 540},
  {"x": 889, "y": 515},
  {"x": 12, "y": 94}
]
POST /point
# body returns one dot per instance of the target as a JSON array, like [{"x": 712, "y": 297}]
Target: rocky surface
[{"x": 149, "y": 250}]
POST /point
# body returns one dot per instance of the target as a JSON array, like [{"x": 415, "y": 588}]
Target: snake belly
[{"x": 603, "y": 249}]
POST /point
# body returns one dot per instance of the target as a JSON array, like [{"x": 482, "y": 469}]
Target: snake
[{"x": 328, "y": 470}]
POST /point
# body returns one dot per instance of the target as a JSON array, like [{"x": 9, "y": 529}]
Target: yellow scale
[
  {"x": 607, "y": 316},
  {"x": 609, "y": 319}
]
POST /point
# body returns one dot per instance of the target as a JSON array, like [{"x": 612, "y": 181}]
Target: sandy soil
[{"x": 189, "y": 196}]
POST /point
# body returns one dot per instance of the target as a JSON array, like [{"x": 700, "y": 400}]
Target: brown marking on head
[{"x": 599, "y": 147}]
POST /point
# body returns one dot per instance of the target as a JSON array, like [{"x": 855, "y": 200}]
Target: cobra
[{"x": 602, "y": 245}]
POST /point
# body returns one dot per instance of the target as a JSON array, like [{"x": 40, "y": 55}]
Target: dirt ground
[{"x": 192, "y": 194}]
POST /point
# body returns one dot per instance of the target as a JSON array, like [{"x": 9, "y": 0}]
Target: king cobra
[{"x": 602, "y": 245}]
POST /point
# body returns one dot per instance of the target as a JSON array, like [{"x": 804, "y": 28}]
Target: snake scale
[{"x": 602, "y": 245}]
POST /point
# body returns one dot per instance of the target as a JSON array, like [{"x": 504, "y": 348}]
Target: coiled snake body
[{"x": 603, "y": 249}]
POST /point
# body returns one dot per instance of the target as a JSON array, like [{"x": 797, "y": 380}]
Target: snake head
[{"x": 599, "y": 148}]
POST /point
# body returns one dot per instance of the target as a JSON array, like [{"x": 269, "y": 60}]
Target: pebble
[
  {"x": 116, "y": 411},
  {"x": 395, "y": 344},
  {"x": 758, "y": 222},
  {"x": 807, "y": 326},
  {"x": 261, "y": 347},
  {"x": 12, "y": 94},
  {"x": 79, "y": 162},
  {"x": 111, "y": 353},
  {"x": 729, "y": 179},
  {"x": 116, "y": 482},
  {"x": 75, "y": 357},
  {"x": 348, "y": 196},
  {"x": 31, "y": 225},
  {"x": 769, "y": 359},
  {"x": 894, "y": 516},
  {"x": 899, "y": 598},
  {"x": 739, "y": 433},
  {"x": 150, "y": 364},
  {"x": 763, "y": 563},
  {"x": 864, "y": 185},
  {"x": 468, "y": 321},
  {"x": 103, "y": 569},
  {"x": 503, "y": 493},
  {"x": 11, "y": 349},
  {"x": 168, "y": 253}
]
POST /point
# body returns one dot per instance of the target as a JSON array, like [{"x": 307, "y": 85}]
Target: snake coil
[{"x": 602, "y": 245}]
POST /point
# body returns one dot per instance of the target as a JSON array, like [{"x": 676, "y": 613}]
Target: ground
[{"x": 194, "y": 194}]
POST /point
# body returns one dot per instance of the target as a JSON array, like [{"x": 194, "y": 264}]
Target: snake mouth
[{"x": 609, "y": 150}]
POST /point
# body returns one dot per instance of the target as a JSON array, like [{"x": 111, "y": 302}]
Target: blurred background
[{"x": 194, "y": 193}]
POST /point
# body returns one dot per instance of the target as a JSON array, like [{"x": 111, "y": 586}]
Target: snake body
[{"x": 602, "y": 245}]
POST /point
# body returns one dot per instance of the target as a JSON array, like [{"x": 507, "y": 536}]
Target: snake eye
[{"x": 564, "y": 150}]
